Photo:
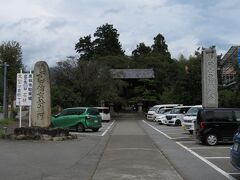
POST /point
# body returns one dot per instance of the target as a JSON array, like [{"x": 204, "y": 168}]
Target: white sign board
[{"x": 24, "y": 89}]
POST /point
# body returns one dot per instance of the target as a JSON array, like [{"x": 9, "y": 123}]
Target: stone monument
[
  {"x": 140, "y": 107},
  {"x": 41, "y": 96},
  {"x": 41, "y": 111},
  {"x": 209, "y": 79}
]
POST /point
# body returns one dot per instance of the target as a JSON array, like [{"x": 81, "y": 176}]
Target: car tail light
[{"x": 202, "y": 125}]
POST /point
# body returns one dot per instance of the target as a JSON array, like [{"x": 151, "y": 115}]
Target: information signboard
[{"x": 24, "y": 89}]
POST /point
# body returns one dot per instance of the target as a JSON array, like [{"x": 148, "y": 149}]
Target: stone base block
[{"x": 39, "y": 133}]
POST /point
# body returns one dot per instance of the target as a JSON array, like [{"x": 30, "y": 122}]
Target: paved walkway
[{"x": 131, "y": 154}]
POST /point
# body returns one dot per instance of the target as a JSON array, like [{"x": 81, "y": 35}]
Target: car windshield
[
  {"x": 73, "y": 111},
  {"x": 153, "y": 109},
  {"x": 163, "y": 111},
  {"x": 175, "y": 111},
  {"x": 167, "y": 111},
  {"x": 193, "y": 111}
]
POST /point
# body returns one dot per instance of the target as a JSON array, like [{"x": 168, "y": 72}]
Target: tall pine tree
[{"x": 160, "y": 46}]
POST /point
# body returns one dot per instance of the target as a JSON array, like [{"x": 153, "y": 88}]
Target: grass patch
[{"x": 6, "y": 122}]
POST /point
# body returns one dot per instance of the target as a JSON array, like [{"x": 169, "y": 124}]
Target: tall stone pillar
[
  {"x": 209, "y": 78},
  {"x": 140, "y": 107},
  {"x": 41, "y": 96}
]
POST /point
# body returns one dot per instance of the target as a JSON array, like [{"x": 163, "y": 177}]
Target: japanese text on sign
[{"x": 24, "y": 89}]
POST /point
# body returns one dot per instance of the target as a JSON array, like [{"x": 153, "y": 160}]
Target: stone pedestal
[
  {"x": 140, "y": 107},
  {"x": 41, "y": 97},
  {"x": 209, "y": 79}
]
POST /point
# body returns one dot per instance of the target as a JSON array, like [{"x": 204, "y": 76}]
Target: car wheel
[
  {"x": 95, "y": 129},
  {"x": 80, "y": 128},
  {"x": 178, "y": 123},
  {"x": 211, "y": 139}
]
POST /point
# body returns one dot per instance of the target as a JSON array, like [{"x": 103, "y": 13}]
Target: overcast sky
[{"x": 49, "y": 29}]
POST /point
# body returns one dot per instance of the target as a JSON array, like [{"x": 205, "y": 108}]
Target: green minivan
[{"x": 80, "y": 118}]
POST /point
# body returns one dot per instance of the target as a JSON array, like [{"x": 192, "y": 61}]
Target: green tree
[
  {"x": 168, "y": 96},
  {"x": 83, "y": 83},
  {"x": 187, "y": 86},
  {"x": 160, "y": 47},
  {"x": 85, "y": 47},
  {"x": 106, "y": 42},
  {"x": 228, "y": 98},
  {"x": 11, "y": 53},
  {"x": 141, "y": 50}
]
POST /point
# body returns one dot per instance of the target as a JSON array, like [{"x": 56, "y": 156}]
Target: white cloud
[
  {"x": 177, "y": 48},
  {"x": 48, "y": 30}
]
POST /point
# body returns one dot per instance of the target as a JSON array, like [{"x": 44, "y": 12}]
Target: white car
[
  {"x": 161, "y": 115},
  {"x": 104, "y": 113},
  {"x": 152, "y": 112},
  {"x": 175, "y": 117},
  {"x": 190, "y": 118}
]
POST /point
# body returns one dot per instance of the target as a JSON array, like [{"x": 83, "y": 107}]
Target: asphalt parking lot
[
  {"x": 218, "y": 157},
  {"x": 106, "y": 126}
]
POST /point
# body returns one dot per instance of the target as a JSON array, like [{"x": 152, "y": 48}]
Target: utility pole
[{"x": 5, "y": 104}]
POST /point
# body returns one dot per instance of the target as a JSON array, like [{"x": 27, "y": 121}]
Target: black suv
[{"x": 217, "y": 124}]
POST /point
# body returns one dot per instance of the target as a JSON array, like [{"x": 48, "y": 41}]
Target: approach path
[{"x": 131, "y": 154}]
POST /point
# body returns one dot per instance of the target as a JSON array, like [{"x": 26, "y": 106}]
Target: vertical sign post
[
  {"x": 24, "y": 93},
  {"x": 5, "y": 104}
]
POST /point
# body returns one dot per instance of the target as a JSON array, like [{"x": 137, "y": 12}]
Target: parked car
[
  {"x": 235, "y": 151},
  {"x": 152, "y": 112},
  {"x": 175, "y": 117},
  {"x": 215, "y": 125},
  {"x": 161, "y": 115},
  {"x": 79, "y": 118},
  {"x": 104, "y": 113},
  {"x": 190, "y": 118}
]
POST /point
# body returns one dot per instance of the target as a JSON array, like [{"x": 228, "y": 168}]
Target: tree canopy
[
  {"x": 141, "y": 50},
  {"x": 160, "y": 46},
  {"x": 86, "y": 81},
  {"x": 106, "y": 43},
  {"x": 10, "y": 53}
]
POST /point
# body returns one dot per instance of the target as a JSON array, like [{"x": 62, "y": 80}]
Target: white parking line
[
  {"x": 92, "y": 133},
  {"x": 236, "y": 173},
  {"x": 210, "y": 147},
  {"x": 157, "y": 130},
  {"x": 227, "y": 175},
  {"x": 217, "y": 157},
  {"x": 107, "y": 128},
  {"x": 207, "y": 162}
]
